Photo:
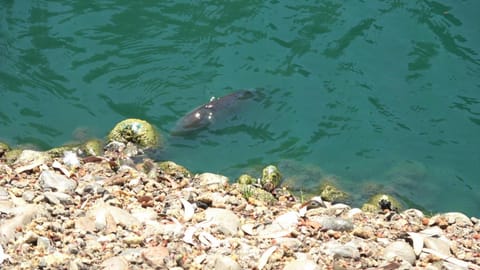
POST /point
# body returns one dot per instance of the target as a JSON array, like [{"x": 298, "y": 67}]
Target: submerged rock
[
  {"x": 135, "y": 131},
  {"x": 271, "y": 178},
  {"x": 246, "y": 179},
  {"x": 331, "y": 193}
]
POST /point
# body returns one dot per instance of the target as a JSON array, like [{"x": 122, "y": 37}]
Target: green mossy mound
[{"x": 135, "y": 131}]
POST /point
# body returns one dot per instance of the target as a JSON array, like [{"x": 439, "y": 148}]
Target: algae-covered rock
[
  {"x": 4, "y": 148},
  {"x": 172, "y": 168},
  {"x": 246, "y": 179},
  {"x": 12, "y": 155},
  {"x": 136, "y": 131},
  {"x": 382, "y": 202},
  {"x": 253, "y": 192},
  {"x": 271, "y": 178},
  {"x": 330, "y": 192},
  {"x": 93, "y": 147}
]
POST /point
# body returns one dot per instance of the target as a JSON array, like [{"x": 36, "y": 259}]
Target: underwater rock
[
  {"x": 93, "y": 147},
  {"x": 250, "y": 192},
  {"x": 271, "y": 178},
  {"x": 172, "y": 168},
  {"x": 136, "y": 131},
  {"x": 329, "y": 192},
  {"x": 246, "y": 179},
  {"x": 4, "y": 148}
]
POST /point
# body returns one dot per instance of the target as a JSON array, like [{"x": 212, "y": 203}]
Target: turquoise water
[{"x": 372, "y": 92}]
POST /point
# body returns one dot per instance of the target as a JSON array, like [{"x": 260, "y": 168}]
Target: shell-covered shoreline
[{"x": 63, "y": 211}]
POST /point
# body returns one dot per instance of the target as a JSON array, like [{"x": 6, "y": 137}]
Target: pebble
[
  {"x": 212, "y": 182},
  {"x": 400, "y": 249},
  {"x": 347, "y": 250},
  {"x": 333, "y": 223},
  {"x": 115, "y": 263},
  {"x": 227, "y": 221},
  {"x": 226, "y": 263},
  {"x": 301, "y": 265},
  {"x": 58, "y": 197},
  {"x": 155, "y": 256},
  {"x": 52, "y": 180}
]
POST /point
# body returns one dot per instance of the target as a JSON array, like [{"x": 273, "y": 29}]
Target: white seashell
[
  {"x": 288, "y": 220},
  {"x": 432, "y": 231},
  {"x": 3, "y": 256},
  {"x": 248, "y": 228},
  {"x": 189, "y": 210},
  {"x": 450, "y": 259},
  {"x": 417, "y": 240},
  {"x": 188, "y": 235},
  {"x": 70, "y": 159},
  {"x": 208, "y": 240},
  {"x": 57, "y": 165},
  {"x": 265, "y": 256}
]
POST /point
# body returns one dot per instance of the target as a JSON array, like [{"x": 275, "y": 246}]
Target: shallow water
[{"x": 381, "y": 92}]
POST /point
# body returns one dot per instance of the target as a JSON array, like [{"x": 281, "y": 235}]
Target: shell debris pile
[{"x": 106, "y": 214}]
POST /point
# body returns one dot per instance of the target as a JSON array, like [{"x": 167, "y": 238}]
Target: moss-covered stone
[
  {"x": 246, "y": 179},
  {"x": 93, "y": 147},
  {"x": 12, "y": 155},
  {"x": 381, "y": 202},
  {"x": 330, "y": 192},
  {"x": 271, "y": 178},
  {"x": 4, "y": 148},
  {"x": 253, "y": 192},
  {"x": 172, "y": 168},
  {"x": 136, "y": 131}
]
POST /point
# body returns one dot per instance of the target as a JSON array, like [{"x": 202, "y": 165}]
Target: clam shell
[
  {"x": 265, "y": 256},
  {"x": 188, "y": 208}
]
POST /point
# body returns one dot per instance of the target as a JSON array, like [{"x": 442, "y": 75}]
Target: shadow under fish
[{"x": 206, "y": 115}]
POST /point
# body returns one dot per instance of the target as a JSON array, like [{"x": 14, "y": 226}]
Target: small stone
[
  {"x": 132, "y": 255},
  {"x": 115, "y": 263},
  {"x": 342, "y": 250},
  {"x": 133, "y": 239},
  {"x": 30, "y": 237},
  {"x": 155, "y": 256},
  {"x": 459, "y": 219},
  {"x": 226, "y": 220},
  {"x": 28, "y": 196},
  {"x": 43, "y": 243},
  {"x": 52, "y": 180},
  {"x": 58, "y": 197},
  {"x": 333, "y": 223},
  {"x": 301, "y": 265},
  {"x": 226, "y": 263},
  {"x": 213, "y": 182},
  {"x": 400, "y": 249}
]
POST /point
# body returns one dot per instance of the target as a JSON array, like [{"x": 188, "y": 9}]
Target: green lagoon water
[{"x": 371, "y": 92}]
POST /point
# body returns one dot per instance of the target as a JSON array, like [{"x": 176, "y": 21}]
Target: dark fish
[{"x": 206, "y": 114}]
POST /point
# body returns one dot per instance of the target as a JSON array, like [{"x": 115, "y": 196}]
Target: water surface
[{"x": 380, "y": 92}]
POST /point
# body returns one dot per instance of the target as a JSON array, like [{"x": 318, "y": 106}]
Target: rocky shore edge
[{"x": 122, "y": 211}]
